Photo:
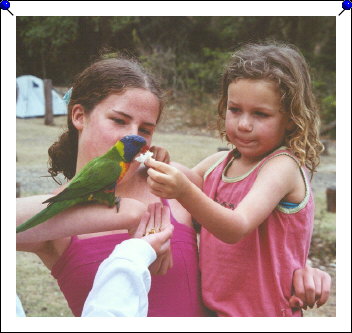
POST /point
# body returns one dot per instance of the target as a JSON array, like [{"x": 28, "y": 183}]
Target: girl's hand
[
  {"x": 311, "y": 286},
  {"x": 160, "y": 154},
  {"x": 165, "y": 181},
  {"x": 156, "y": 228}
]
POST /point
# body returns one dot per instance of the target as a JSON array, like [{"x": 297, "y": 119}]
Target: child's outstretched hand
[
  {"x": 165, "y": 181},
  {"x": 156, "y": 228},
  {"x": 311, "y": 286},
  {"x": 160, "y": 154}
]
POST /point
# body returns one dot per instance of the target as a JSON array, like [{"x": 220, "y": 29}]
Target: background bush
[{"x": 186, "y": 53}]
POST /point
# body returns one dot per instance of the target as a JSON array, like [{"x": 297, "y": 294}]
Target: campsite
[{"x": 30, "y": 99}]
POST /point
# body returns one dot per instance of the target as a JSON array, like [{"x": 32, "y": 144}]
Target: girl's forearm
[
  {"x": 76, "y": 220},
  {"x": 225, "y": 224}
]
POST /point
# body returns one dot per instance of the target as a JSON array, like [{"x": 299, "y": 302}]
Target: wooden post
[
  {"x": 331, "y": 199},
  {"x": 48, "y": 102},
  {"x": 18, "y": 190}
]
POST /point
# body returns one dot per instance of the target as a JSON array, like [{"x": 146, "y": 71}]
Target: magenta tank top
[
  {"x": 253, "y": 278},
  {"x": 175, "y": 294}
]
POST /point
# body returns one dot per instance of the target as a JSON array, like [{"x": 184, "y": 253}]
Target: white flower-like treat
[{"x": 144, "y": 157}]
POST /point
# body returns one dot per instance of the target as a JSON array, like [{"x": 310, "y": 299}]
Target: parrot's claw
[{"x": 117, "y": 203}]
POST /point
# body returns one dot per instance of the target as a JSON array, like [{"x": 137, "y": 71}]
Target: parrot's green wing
[{"x": 95, "y": 176}]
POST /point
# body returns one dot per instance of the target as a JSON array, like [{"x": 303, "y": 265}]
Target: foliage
[{"x": 186, "y": 53}]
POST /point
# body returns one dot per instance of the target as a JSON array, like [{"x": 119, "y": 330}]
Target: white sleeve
[
  {"x": 19, "y": 308},
  {"x": 122, "y": 282}
]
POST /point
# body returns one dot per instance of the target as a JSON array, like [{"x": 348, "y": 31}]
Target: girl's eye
[
  {"x": 234, "y": 110},
  {"x": 145, "y": 131},
  {"x": 261, "y": 114},
  {"x": 119, "y": 121}
]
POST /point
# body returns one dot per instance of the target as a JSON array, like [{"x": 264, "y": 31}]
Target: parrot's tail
[{"x": 47, "y": 213}]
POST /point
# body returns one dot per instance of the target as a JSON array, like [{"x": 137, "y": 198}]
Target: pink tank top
[
  {"x": 253, "y": 278},
  {"x": 175, "y": 294}
]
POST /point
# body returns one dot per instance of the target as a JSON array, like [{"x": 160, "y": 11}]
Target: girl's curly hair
[
  {"x": 94, "y": 84},
  {"x": 284, "y": 65}
]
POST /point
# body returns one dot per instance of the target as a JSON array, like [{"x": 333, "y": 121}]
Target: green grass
[
  {"x": 33, "y": 140},
  {"x": 187, "y": 149},
  {"x": 37, "y": 289}
]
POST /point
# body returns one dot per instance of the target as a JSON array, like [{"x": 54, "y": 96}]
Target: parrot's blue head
[{"x": 133, "y": 144}]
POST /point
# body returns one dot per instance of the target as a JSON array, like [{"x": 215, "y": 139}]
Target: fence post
[
  {"x": 18, "y": 190},
  {"x": 331, "y": 199},
  {"x": 48, "y": 102}
]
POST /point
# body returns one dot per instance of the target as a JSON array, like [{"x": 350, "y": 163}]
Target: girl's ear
[{"x": 78, "y": 116}]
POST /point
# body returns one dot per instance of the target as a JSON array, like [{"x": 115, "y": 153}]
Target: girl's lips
[{"x": 244, "y": 141}]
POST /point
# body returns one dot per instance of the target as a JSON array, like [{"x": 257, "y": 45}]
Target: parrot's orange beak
[{"x": 144, "y": 149}]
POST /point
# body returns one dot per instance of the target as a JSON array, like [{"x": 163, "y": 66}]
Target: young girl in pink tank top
[{"x": 256, "y": 208}]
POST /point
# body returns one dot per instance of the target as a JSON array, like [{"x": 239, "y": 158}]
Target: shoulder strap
[
  {"x": 285, "y": 151},
  {"x": 218, "y": 162}
]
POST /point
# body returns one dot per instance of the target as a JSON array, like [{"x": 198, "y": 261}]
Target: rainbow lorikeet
[{"x": 96, "y": 182}]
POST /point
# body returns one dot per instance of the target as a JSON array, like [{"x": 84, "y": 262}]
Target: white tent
[{"x": 31, "y": 101}]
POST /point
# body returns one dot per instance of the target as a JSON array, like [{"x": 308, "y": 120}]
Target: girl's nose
[
  {"x": 128, "y": 130},
  {"x": 132, "y": 130},
  {"x": 244, "y": 124}
]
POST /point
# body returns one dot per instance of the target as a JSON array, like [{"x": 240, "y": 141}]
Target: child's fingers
[
  {"x": 159, "y": 166},
  {"x": 166, "y": 158},
  {"x": 155, "y": 266},
  {"x": 156, "y": 188},
  {"x": 142, "y": 225},
  {"x": 165, "y": 217},
  {"x": 164, "y": 237},
  {"x": 325, "y": 290},
  {"x": 164, "y": 267},
  {"x": 298, "y": 285},
  {"x": 309, "y": 287},
  {"x": 157, "y": 217},
  {"x": 157, "y": 176},
  {"x": 165, "y": 261},
  {"x": 160, "y": 241},
  {"x": 317, "y": 284},
  {"x": 171, "y": 262},
  {"x": 295, "y": 302},
  {"x": 153, "y": 184},
  {"x": 159, "y": 156},
  {"x": 151, "y": 222}
]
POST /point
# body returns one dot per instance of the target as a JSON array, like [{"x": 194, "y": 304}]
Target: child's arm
[
  {"x": 190, "y": 174},
  {"x": 265, "y": 194},
  {"x": 311, "y": 286},
  {"x": 77, "y": 220},
  {"x": 162, "y": 155}
]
